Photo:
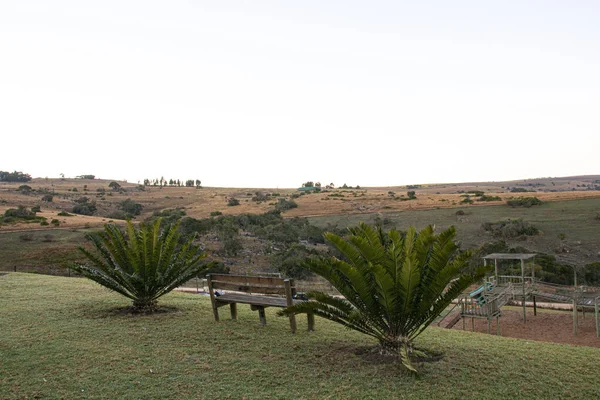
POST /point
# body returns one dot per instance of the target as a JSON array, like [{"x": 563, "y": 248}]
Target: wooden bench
[{"x": 257, "y": 291}]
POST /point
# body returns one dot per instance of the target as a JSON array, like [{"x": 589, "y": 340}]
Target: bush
[
  {"x": 44, "y": 223},
  {"x": 130, "y": 208},
  {"x": 489, "y": 198},
  {"x": 24, "y": 189},
  {"x": 283, "y": 205},
  {"x": 117, "y": 214},
  {"x": 411, "y": 195},
  {"x": 466, "y": 200},
  {"x": 518, "y": 190},
  {"x": 20, "y": 212},
  {"x": 55, "y": 222},
  {"x": 26, "y": 237},
  {"x": 84, "y": 206},
  {"x": 511, "y": 229},
  {"x": 216, "y": 213},
  {"x": 15, "y": 176},
  {"x": 524, "y": 202},
  {"x": 233, "y": 202},
  {"x": 36, "y": 209},
  {"x": 64, "y": 214},
  {"x": 47, "y": 198}
]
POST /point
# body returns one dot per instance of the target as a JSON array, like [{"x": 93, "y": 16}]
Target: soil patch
[{"x": 546, "y": 326}]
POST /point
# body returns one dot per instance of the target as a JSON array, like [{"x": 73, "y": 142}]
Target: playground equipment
[{"x": 497, "y": 290}]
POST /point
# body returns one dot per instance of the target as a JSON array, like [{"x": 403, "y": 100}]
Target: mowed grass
[{"x": 62, "y": 338}]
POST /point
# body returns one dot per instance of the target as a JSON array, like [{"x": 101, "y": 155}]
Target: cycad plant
[
  {"x": 141, "y": 263},
  {"x": 393, "y": 285}
]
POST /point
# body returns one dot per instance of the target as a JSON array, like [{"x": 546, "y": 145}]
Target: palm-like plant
[
  {"x": 393, "y": 285},
  {"x": 141, "y": 263}
]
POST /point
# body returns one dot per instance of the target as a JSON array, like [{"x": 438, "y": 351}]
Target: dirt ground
[{"x": 546, "y": 326}]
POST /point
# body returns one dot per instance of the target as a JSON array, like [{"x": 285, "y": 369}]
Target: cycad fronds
[
  {"x": 141, "y": 263},
  {"x": 393, "y": 285}
]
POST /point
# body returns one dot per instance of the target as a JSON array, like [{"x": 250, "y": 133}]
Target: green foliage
[
  {"x": 24, "y": 189},
  {"x": 510, "y": 229},
  {"x": 518, "y": 190},
  {"x": 489, "y": 198},
  {"x": 290, "y": 261},
  {"x": 215, "y": 213},
  {"x": 283, "y": 205},
  {"x": 393, "y": 285},
  {"x": 308, "y": 184},
  {"x": 130, "y": 208},
  {"x": 592, "y": 274},
  {"x": 233, "y": 202},
  {"x": 524, "y": 202},
  {"x": 411, "y": 194},
  {"x": 47, "y": 198},
  {"x": 55, "y": 222},
  {"x": 114, "y": 186},
  {"x": 142, "y": 264},
  {"x": 36, "y": 209},
  {"x": 64, "y": 214},
  {"x": 84, "y": 206},
  {"x": 15, "y": 176},
  {"x": 467, "y": 200}
]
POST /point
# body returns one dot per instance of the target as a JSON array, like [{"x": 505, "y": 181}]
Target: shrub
[
  {"x": 26, "y": 237},
  {"x": 15, "y": 176},
  {"x": 117, "y": 214},
  {"x": 143, "y": 264},
  {"x": 64, "y": 214},
  {"x": 466, "y": 200},
  {"x": 55, "y": 222},
  {"x": 84, "y": 206},
  {"x": 518, "y": 190},
  {"x": 216, "y": 213},
  {"x": 233, "y": 202},
  {"x": 130, "y": 208},
  {"x": 489, "y": 198},
  {"x": 411, "y": 195},
  {"x": 524, "y": 202},
  {"x": 19, "y": 212},
  {"x": 24, "y": 189},
  {"x": 511, "y": 229},
  {"x": 393, "y": 285},
  {"x": 283, "y": 205},
  {"x": 44, "y": 223},
  {"x": 47, "y": 198},
  {"x": 36, "y": 209}
]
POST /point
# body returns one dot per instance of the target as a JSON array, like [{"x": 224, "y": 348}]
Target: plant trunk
[{"x": 144, "y": 305}]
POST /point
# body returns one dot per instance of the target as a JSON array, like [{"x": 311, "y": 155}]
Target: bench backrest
[{"x": 250, "y": 284}]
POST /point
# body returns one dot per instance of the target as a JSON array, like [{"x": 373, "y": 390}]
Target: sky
[{"x": 275, "y": 93}]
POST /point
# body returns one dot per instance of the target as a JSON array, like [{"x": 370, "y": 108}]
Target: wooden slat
[
  {"x": 254, "y": 300},
  {"x": 249, "y": 280},
  {"x": 243, "y": 287}
]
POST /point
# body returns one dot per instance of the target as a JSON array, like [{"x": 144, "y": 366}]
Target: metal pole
[
  {"x": 597, "y": 320},
  {"x": 574, "y": 317},
  {"x": 523, "y": 283},
  {"x": 496, "y": 269}
]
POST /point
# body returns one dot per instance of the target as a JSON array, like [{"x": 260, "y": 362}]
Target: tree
[
  {"x": 130, "y": 208},
  {"x": 114, "y": 186},
  {"x": 142, "y": 264},
  {"x": 308, "y": 184},
  {"x": 189, "y": 183},
  {"x": 394, "y": 285},
  {"x": 198, "y": 184},
  {"x": 15, "y": 176}
]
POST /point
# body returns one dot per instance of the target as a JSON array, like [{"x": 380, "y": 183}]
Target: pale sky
[{"x": 274, "y": 93}]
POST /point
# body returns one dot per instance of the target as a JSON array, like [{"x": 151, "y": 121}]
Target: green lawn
[{"x": 61, "y": 338}]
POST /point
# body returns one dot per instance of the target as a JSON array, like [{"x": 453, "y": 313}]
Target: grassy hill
[{"x": 64, "y": 338}]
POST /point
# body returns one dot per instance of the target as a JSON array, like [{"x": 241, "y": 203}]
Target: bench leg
[
  {"x": 215, "y": 312},
  {"x": 262, "y": 316},
  {"x": 311, "y": 321},
  {"x": 233, "y": 309},
  {"x": 293, "y": 323}
]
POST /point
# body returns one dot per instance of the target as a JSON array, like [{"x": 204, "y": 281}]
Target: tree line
[{"x": 173, "y": 182}]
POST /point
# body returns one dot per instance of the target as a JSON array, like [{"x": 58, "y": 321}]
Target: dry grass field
[{"x": 199, "y": 203}]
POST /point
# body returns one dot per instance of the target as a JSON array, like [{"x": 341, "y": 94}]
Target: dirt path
[{"x": 547, "y": 326}]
